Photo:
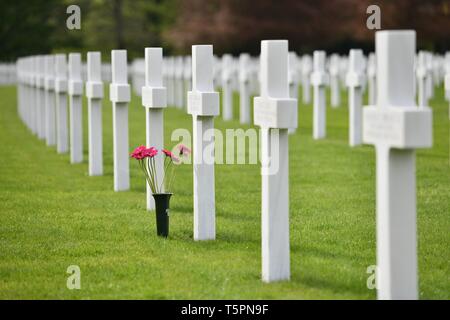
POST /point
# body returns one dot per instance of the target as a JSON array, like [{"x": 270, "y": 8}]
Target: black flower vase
[{"x": 162, "y": 213}]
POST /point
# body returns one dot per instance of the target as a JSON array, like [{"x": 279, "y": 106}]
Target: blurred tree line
[
  {"x": 332, "y": 25},
  {"x": 39, "y": 26}
]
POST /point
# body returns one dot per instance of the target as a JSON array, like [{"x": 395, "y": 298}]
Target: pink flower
[
  {"x": 169, "y": 154},
  {"x": 183, "y": 150},
  {"x": 150, "y": 152},
  {"x": 138, "y": 153}
]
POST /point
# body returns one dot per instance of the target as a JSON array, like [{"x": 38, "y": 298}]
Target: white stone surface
[
  {"x": 371, "y": 78},
  {"x": 244, "y": 88},
  {"x": 274, "y": 159},
  {"x": 306, "y": 69},
  {"x": 94, "y": 94},
  {"x": 50, "y": 98},
  {"x": 203, "y": 104},
  {"x": 40, "y": 96},
  {"x": 75, "y": 88},
  {"x": 319, "y": 79},
  {"x": 120, "y": 97},
  {"x": 335, "y": 88},
  {"x": 227, "y": 91},
  {"x": 396, "y": 127},
  {"x": 154, "y": 117},
  {"x": 62, "y": 127},
  {"x": 32, "y": 94},
  {"x": 355, "y": 80}
]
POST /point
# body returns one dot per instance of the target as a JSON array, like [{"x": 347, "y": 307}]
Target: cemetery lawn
[{"x": 53, "y": 215}]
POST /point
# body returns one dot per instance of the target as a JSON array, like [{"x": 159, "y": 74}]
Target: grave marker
[
  {"x": 94, "y": 94},
  {"x": 306, "y": 74},
  {"x": 40, "y": 95},
  {"x": 396, "y": 126},
  {"x": 62, "y": 136},
  {"x": 50, "y": 98},
  {"x": 244, "y": 88},
  {"x": 335, "y": 90},
  {"x": 319, "y": 78},
  {"x": 27, "y": 69},
  {"x": 154, "y": 99},
  {"x": 421, "y": 71},
  {"x": 371, "y": 78},
  {"x": 75, "y": 88},
  {"x": 227, "y": 91},
  {"x": 275, "y": 113},
  {"x": 119, "y": 94},
  {"x": 429, "y": 77},
  {"x": 33, "y": 95},
  {"x": 293, "y": 80},
  {"x": 203, "y": 105},
  {"x": 354, "y": 80}
]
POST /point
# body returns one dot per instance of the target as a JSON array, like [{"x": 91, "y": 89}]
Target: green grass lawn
[{"x": 52, "y": 215}]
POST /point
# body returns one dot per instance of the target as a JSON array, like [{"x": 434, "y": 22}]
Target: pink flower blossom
[
  {"x": 169, "y": 154},
  {"x": 138, "y": 153},
  {"x": 150, "y": 152},
  {"x": 142, "y": 152},
  {"x": 183, "y": 150}
]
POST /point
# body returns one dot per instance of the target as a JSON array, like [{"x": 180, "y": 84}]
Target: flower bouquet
[{"x": 161, "y": 183}]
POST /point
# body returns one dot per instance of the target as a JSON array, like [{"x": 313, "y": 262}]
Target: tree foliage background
[{"x": 39, "y": 26}]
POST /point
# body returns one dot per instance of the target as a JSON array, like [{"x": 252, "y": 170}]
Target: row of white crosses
[
  {"x": 45, "y": 85},
  {"x": 177, "y": 76},
  {"x": 394, "y": 125}
]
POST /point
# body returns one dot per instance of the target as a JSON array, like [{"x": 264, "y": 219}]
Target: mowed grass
[{"x": 53, "y": 215}]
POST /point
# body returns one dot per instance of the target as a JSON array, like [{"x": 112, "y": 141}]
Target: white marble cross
[
  {"x": 227, "y": 90},
  {"x": 29, "y": 94},
  {"x": 40, "y": 97},
  {"x": 120, "y": 96},
  {"x": 422, "y": 79},
  {"x": 62, "y": 129},
  {"x": 20, "y": 95},
  {"x": 335, "y": 88},
  {"x": 354, "y": 81},
  {"x": 94, "y": 94},
  {"x": 50, "y": 98},
  {"x": 33, "y": 95},
  {"x": 203, "y": 105},
  {"x": 306, "y": 69},
  {"x": 75, "y": 88},
  {"x": 244, "y": 88},
  {"x": 371, "y": 78},
  {"x": 217, "y": 70},
  {"x": 275, "y": 112},
  {"x": 154, "y": 99},
  {"x": 396, "y": 126},
  {"x": 429, "y": 67},
  {"x": 319, "y": 79},
  {"x": 293, "y": 80}
]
